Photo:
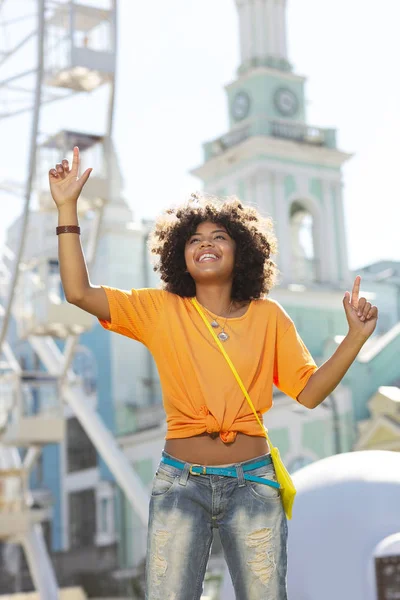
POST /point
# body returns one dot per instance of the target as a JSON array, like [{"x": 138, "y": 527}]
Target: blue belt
[{"x": 227, "y": 471}]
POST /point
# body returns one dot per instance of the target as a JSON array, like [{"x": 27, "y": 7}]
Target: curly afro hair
[{"x": 254, "y": 272}]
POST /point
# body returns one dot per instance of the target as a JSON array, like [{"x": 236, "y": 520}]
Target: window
[
  {"x": 82, "y": 518},
  {"x": 302, "y": 243},
  {"x": 106, "y": 514},
  {"x": 104, "y": 520},
  {"x": 387, "y": 577},
  {"x": 80, "y": 450}
]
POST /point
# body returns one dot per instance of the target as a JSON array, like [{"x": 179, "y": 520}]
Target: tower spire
[{"x": 263, "y": 40}]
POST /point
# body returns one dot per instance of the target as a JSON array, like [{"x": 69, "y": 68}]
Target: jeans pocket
[
  {"x": 162, "y": 482},
  {"x": 263, "y": 491}
]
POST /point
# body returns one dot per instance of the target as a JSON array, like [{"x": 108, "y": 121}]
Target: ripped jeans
[{"x": 184, "y": 509}]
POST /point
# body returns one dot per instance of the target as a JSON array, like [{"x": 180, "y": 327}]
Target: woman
[{"x": 220, "y": 254}]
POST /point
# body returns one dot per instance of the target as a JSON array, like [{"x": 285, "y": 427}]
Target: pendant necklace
[{"x": 214, "y": 323}]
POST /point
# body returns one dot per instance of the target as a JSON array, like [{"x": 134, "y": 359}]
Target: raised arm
[
  {"x": 362, "y": 319},
  {"x": 65, "y": 187}
]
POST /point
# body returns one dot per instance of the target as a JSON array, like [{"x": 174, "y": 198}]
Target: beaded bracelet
[{"x": 68, "y": 229}]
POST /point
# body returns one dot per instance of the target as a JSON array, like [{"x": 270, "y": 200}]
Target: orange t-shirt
[{"x": 200, "y": 392}]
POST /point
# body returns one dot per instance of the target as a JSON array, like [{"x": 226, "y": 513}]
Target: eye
[
  {"x": 193, "y": 240},
  {"x": 220, "y": 235}
]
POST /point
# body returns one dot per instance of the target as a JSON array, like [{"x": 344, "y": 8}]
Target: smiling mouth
[{"x": 209, "y": 257}]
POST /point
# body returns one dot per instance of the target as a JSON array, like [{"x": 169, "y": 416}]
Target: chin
[{"x": 210, "y": 276}]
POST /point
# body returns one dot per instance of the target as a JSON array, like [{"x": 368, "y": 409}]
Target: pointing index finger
[
  {"x": 355, "y": 294},
  {"x": 75, "y": 161}
]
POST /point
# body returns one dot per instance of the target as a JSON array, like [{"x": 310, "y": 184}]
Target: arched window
[{"x": 302, "y": 244}]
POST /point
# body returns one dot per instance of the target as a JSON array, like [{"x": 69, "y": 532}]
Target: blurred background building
[{"x": 65, "y": 382}]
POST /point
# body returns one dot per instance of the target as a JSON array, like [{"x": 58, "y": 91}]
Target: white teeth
[{"x": 204, "y": 256}]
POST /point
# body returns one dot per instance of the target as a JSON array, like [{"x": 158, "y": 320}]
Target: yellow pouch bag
[{"x": 287, "y": 487}]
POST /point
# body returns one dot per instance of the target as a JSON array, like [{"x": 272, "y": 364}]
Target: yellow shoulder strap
[{"x": 236, "y": 374}]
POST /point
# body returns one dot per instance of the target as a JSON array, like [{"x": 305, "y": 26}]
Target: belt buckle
[{"x": 192, "y": 473}]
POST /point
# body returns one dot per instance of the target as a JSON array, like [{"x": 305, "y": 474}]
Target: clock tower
[{"x": 272, "y": 158}]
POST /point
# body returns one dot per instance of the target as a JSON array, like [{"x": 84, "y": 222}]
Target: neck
[{"x": 216, "y": 298}]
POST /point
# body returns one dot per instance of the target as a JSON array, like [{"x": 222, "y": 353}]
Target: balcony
[
  {"x": 305, "y": 134},
  {"x": 285, "y": 130}
]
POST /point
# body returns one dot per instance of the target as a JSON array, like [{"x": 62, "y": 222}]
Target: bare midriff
[{"x": 209, "y": 449}]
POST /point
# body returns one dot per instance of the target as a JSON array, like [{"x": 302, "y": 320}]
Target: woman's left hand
[{"x": 361, "y": 316}]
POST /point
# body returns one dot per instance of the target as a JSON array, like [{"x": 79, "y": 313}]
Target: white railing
[
  {"x": 289, "y": 130},
  {"x": 298, "y": 132}
]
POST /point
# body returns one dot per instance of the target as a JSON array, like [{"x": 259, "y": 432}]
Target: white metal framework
[{"x": 51, "y": 51}]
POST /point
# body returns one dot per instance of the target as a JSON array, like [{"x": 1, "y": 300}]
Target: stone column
[
  {"x": 329, "y": 229},
  {"x": 244, "y": 10},
  {"x": 341, "y": 227},
  {"x": 263, "y": 194},
  {"x": 260, "y": 28},
  {"x": 282, "y": 227},
  {"x": 271, "y": 27},
  {"x": 320, "y": 247},
  {"x": 281, "y": 27}
]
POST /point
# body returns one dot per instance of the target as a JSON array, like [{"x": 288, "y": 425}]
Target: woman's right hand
[{"x": 65, "y": 183}]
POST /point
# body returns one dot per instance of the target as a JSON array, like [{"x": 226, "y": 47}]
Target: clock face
[
  {"x": 241, "y": 106},
  {"x": 286, "y": 102}
]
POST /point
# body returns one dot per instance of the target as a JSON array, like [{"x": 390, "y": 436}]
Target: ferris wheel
[{"x": 57, "y": 61}]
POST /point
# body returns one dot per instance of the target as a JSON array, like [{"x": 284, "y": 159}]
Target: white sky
[{"x": 174, "y": 59}]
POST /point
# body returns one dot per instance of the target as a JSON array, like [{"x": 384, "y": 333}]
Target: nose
[{"x": 206, "y": 243}]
